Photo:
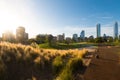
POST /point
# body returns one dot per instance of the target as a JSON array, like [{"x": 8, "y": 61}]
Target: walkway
[{"x": 106, "y": 67}]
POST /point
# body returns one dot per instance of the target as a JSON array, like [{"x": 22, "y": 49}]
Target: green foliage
[
  {"x": 99, "y": 40},
  {"x": 45, "y": 46},
  {"x": 41, "y": 38},
  {"x": 75, "y": 64},
  {"x": 65, "y": 46},
  {"x": 66, "y": 74},
  {"x": 32, "y": 40},
  {"x": 44, "y": 38},
  {"x": 57, "y": 64},
  {"x": 50, "y": 38},
  {"x": 110, "y": 39}
]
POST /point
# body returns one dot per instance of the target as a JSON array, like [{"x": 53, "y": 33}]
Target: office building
[
  {"x": 75, "y": 37},
  {"x": 98, "y": 27},
  {"x": 68, "y": 39},
  {"x": 115, "y": 35},
  {"x": 61, "y": 38},
  {"x": 82, "y": 35},
  {"x": 21, "y": 35}
]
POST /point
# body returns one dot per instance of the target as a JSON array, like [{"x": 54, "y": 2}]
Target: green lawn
[{"x": 66, "y": 46}]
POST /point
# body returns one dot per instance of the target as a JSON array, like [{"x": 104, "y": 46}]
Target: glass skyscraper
[
  {"x": 115, "y": 35},
  {"x": 98, "y": 30},
  {"x": 82, "y": 35}
]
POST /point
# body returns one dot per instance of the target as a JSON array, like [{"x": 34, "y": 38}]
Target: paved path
[
  {"x": 86, "y": 61},
  {"x": 88, "y": 58},
  {"x": 90, "y": 49}
]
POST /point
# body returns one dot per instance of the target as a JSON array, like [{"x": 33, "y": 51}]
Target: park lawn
[{"x": 66, "y": 46}]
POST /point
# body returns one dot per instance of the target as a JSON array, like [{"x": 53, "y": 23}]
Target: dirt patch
[{"x": 106, "y": 67}]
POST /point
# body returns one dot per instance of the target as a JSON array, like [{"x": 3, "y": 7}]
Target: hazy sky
[{"x": 59, "y": 16}]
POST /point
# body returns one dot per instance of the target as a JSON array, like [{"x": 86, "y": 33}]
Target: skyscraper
[
  {"x": 82, "y": 35},
  {"x": 75, "y": 37},
  {"x": 115, "y": 35},
  {"x": 21, "y": 35},
  {"x": 98, "y": 30}
]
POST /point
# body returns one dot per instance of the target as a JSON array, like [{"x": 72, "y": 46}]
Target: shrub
[
  {"x": 2, "y": 70},
  {"x": 75, "y": 64},
  {"x": 57, "y": 64},
  {"x": 66, "y": 74},
  {"x": 21, "y": 62}
]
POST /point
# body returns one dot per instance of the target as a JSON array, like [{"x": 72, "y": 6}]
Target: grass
[
  {"x": 45, "y": 46},
  {"x": 22, "y": 62},
  {"x": 73, "y": 66},
  {"x": 66, "y": 74},
  {"x": 57, "y": 64},
  {"x": 66, "y": 46}
]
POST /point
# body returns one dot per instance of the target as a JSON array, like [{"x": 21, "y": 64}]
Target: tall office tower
[
  {"x": 82, "y": 35},
  {"x": 75, "y": 37},
  {"x": 115, "y": 35},
  {"x": 21, "y": 35},
  {"x": 98, "y": 30}
]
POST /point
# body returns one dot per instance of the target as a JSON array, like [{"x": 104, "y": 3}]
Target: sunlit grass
[{"x": 29, "y": 59}]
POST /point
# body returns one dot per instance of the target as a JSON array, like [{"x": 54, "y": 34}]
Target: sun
[
  {"x": 6, "y": 19},
  {"x": 15, "y": 13},
  {"x": 9, "y": 18},
  {"x": 8, "y": 22}
]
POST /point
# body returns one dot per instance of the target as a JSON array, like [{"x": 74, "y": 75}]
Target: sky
[{"x": 59, "y": 16}]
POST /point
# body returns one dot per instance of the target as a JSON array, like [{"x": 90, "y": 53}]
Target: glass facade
[
  {"x": 82, "y": 35},
  {"x": 98, "y": 30},
  {"x": 115, "y": 35}
]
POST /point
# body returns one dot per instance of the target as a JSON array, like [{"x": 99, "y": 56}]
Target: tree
[
  {"x": 32, "y": 40},
  {"x": 99, "y": 40},
  {"x": 50, "y": 40},
  {"x": 110, "y": 39},
  {"x": 41, "y": 38}
]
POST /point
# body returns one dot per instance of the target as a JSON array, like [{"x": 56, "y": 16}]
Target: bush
[
  {"x": 75, "y": 64},
  {"x": 2, "y": 70},
  {"x": 57, "y": 64},
  {"x": 20, "y": 62},
  {"x": 66, "y": 74}
]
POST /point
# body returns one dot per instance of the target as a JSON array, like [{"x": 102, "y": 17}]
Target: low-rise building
[
  {"x": 8, "y": 36},
  {"x": 61, "y": 38},
  {"x": 68, "y": 39}
]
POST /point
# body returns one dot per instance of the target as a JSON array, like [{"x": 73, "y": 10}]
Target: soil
[{"x": 105, "y": 64}]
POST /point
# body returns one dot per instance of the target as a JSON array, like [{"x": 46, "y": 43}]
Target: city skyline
[
  {"x": 81, "y": 34},
  {"x": 59, "y": 16},
  {"x": 97, "y": 33}
]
